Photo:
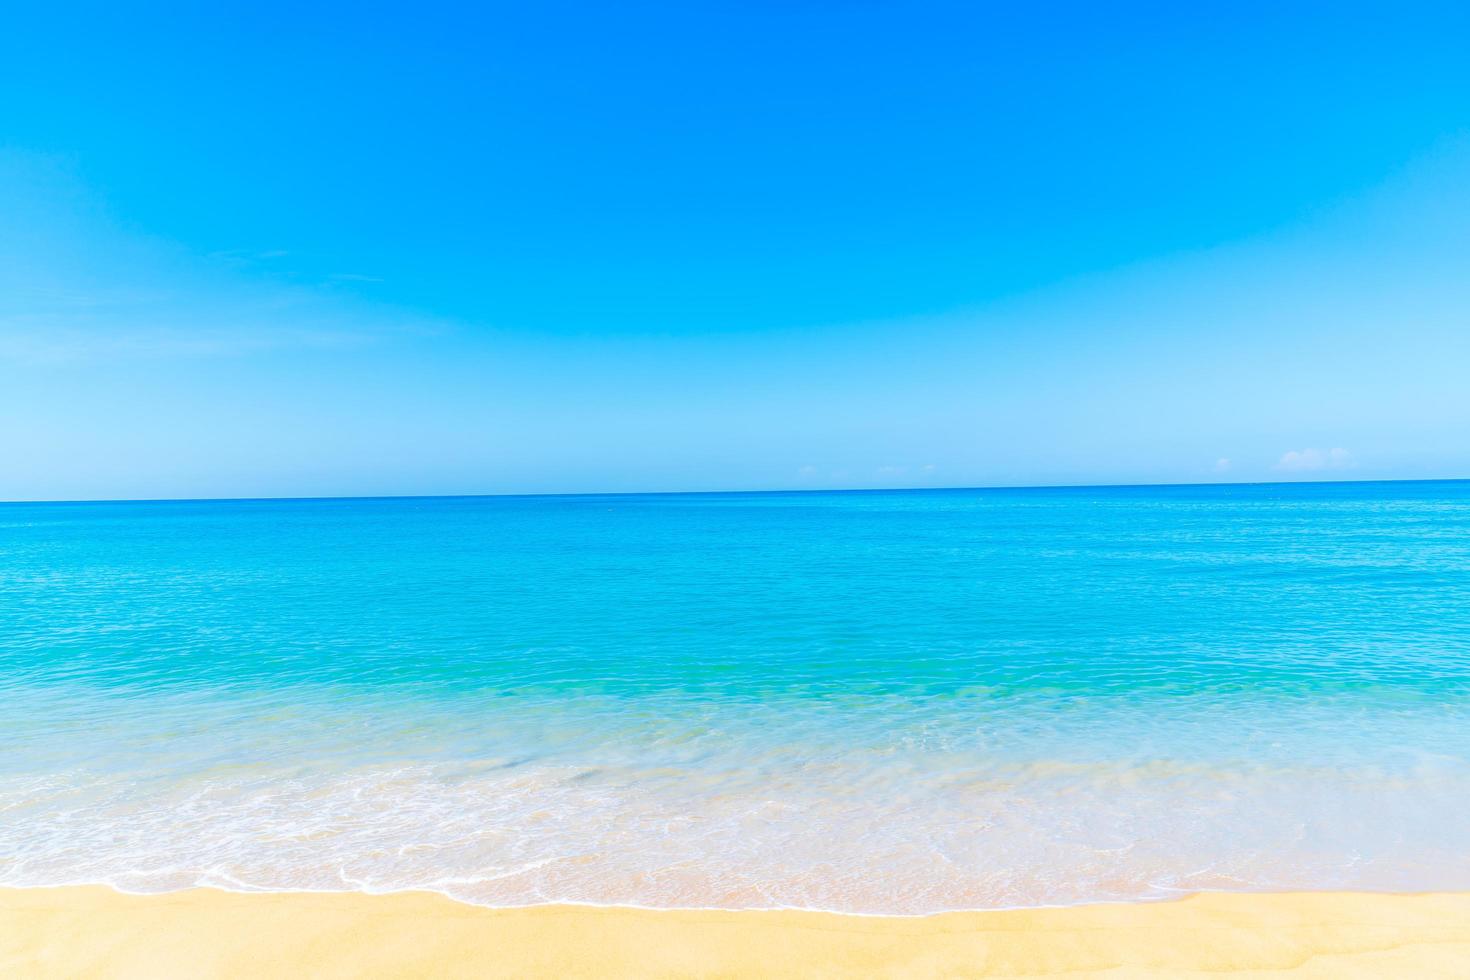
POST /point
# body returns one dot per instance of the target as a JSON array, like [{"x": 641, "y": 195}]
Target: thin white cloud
[
  {"x": 77, "y": 286},
  {"x": 1315, "y": 460},
  {"x": 58, "y": 345}
]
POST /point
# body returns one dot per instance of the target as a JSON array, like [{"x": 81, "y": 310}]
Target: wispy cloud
[
  {"x": 59, "y": 345},
  {"x": 76, "y": 286},
  {"x": 1315, "y": 460}
]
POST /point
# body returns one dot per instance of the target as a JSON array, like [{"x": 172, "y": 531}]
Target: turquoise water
[{"x": 875, "y": 701}]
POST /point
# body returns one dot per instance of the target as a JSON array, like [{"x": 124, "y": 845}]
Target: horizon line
[{"x": 691, "y": 493}]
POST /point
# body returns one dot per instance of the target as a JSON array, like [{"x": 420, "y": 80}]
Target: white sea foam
[{"x": 826, "y": 836}]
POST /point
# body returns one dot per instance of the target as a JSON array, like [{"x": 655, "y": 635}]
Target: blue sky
[{"x": 574, "y": 247}]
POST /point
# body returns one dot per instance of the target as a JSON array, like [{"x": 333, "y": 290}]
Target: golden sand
[{"x": 97, "y": 932}]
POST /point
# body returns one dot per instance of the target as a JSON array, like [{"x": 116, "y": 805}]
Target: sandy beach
[{"x": 98, "y": 932}]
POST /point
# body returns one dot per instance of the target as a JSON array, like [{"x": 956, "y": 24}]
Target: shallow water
[{"x": 883, "y": 702}]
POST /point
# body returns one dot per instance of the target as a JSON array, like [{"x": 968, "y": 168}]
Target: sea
[{"x": 895, "y": 702}]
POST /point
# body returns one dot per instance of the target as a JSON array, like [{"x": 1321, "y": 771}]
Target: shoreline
[
  {"x": 566, "y": 903},
  {"x": 94, "y": 930}
]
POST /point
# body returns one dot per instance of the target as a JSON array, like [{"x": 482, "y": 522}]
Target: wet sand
[{"x": 94, "y": 931}]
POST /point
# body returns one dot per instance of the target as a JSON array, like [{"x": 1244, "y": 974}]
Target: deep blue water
[{"x": 883, "y": 701}]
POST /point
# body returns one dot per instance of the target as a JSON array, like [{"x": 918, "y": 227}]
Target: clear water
[{"x": 878, "y": 702}]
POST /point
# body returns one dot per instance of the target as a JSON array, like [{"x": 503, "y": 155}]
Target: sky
[{"x": 300, "y": 250}]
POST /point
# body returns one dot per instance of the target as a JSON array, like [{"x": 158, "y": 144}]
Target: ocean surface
[{"x": 869, "y": 701}]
